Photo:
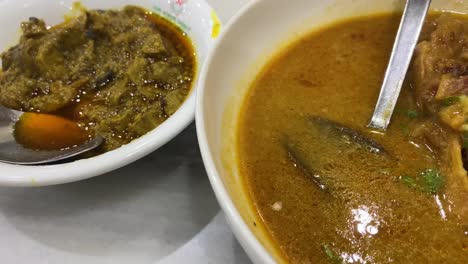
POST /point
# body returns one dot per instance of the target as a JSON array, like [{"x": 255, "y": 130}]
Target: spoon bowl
[{"x": 15, "y": 153}]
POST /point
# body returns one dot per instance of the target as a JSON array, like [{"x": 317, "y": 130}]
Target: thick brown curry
[
  {"x": 328, "y": 189},
  {"x": 115, "y": 73}
]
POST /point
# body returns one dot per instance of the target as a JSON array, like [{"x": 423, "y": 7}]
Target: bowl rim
[
  {"x": 44, "y": 175},
  {"x": 254, "y": 248}
]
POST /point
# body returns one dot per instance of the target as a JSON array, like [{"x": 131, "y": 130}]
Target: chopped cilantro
[
  {"x": 405, "y": 129},
  {"x": 332, "y": 256},
  {"x": 412, "y": 113},
  {"x": 451, "y": 100},
  {"x": 408, "y": 181},
  {"x": 432, "y": 181},
  {"x": 399, "y": 110},
  {"x": 429, "y": 181}
]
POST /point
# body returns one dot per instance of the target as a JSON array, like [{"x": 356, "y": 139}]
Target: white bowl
[
  {"x": 196, "y": 18},
  {"x": 258, "y": 31}
]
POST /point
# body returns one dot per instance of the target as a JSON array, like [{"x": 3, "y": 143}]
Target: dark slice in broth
[{"x": 349, "y": 194}]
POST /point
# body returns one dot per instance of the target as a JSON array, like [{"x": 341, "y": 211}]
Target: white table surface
[{"x": 160, "y": 209}]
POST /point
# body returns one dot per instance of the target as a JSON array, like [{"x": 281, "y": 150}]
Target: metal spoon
[
  {"x": 408, "y": 34},
  {"x": 14, "y": 153}
]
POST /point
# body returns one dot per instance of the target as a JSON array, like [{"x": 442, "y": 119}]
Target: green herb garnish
[
  {"x": 412, "y": 113},
  {"x": 433, "y": 181},
  {"x": 332, "y": 256},
  {"x": 451, "y": 100},
  {"x": 408, "y": 181},
  {"x": 429, "y": 181},
  {"x": 405, "y": 129}
]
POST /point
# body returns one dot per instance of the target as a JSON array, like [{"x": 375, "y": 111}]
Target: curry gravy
[{"x": 116, "y": 73}]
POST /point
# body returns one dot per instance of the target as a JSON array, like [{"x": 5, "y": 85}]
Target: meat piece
[
  {"x": 456, "y": 182},
  {"x": 440, "y": 72},
  {"x": 426, "y": 79},
  {"x": 455, "y": 115},
  {"x": 58, "y": 96},
  {"x": 146, "y": 121},
  {"x": 434, "y": 133},
  {"x": 46, "y": 66},
  {"x": 444, "y": 54},
  {"x": 172, "y": 100},
  {"x": 34, "y": 27},
  {"x": 114, "y": 94},
  {"x": 451, "y": 85}
]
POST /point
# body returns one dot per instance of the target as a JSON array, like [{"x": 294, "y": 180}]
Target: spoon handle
[{"x": 407, "y": 37}]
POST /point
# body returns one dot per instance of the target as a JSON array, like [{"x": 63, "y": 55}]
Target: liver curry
[{"x": 117, "y": 73}]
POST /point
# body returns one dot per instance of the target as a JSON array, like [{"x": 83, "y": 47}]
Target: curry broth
[{"x": 367, "y": 215}]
